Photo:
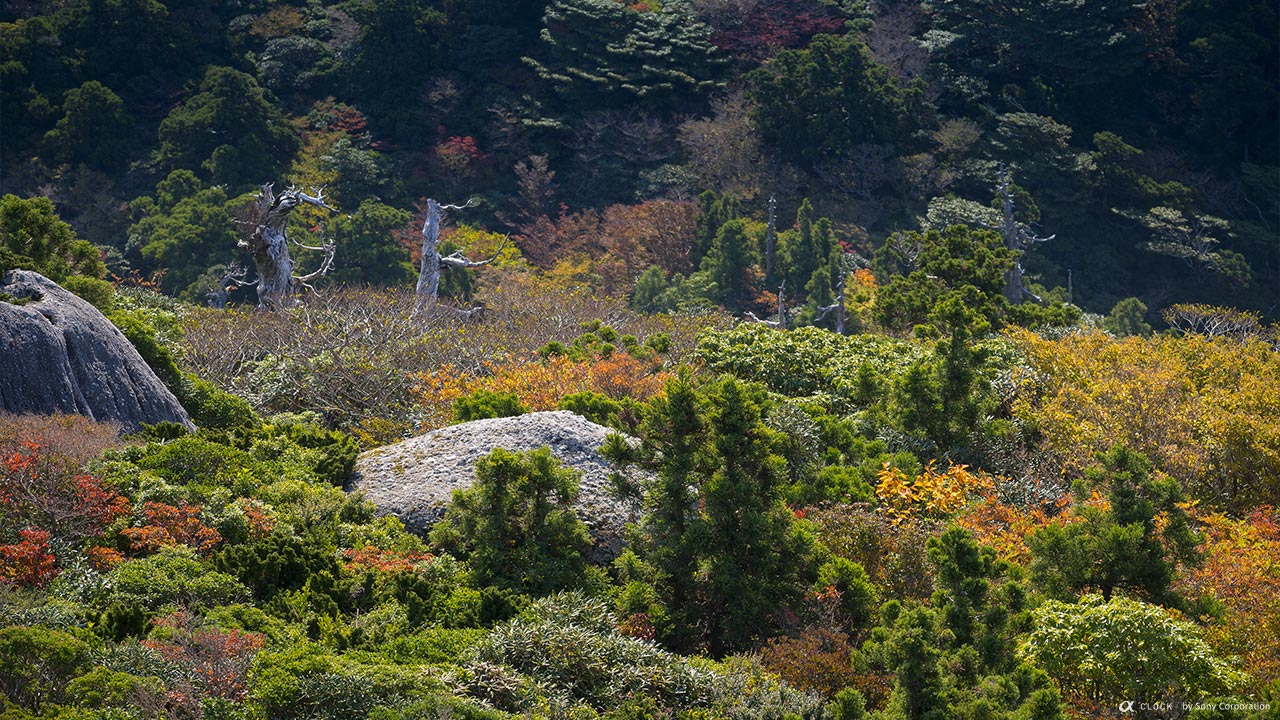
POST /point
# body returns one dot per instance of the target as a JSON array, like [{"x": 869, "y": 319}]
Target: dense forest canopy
[
  {"x": 1142, "y": 136},
  {"x": 935, "y": 342}
]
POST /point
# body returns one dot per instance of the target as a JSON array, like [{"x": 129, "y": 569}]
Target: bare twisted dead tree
[
  {"x": 267, "y": 241},
  {"x": 231, "y": 279},
  {"x": 433, "y": 262}
]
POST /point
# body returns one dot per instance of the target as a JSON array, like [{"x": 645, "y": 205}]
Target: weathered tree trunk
[
  {"x": 433, "y": 263},
  {"x": 771, "y": 238},
  {"x": 268, "y": 243},
  {"x": 429, "y": 269},
  {"x": 1017, "y": 237},
  {"x": 234, "y": 277}
]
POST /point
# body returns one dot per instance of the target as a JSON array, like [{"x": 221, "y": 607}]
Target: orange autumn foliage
[
  {"x": 28, "y": 563},
  {"x": 1241, "y": 570},
  {"x": 216, "y": 659},
  {"x": 167, "y": 526},
  {"x": 539, "y": 384},
  {"x": 387, "y": 561}
]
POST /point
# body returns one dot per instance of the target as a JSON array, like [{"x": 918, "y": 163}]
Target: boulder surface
[
  {"x": 414, "y": 479},
  {"x": 59, "y": 354}
]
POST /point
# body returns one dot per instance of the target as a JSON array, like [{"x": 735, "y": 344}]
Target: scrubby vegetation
[{"x": 937, "y": 341}]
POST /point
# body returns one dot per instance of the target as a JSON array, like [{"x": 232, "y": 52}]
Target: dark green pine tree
[
  {"x": 1122, "y": 547},
  {"x": 600, "y": 52},
  {"x": 729, "y": 265},
  {"x": 816, "y": 104},
  {"x": 515, "y": 524},
  {"x": 230, "y": 129},
  {"x": 714, "y": 210},
  {"x": 725, "y": 552},
  {"x": 371, "y": 255},
  {"x": 755, "y": 561},
  {"x": 802, "y": 252},
  {"x": 672, "y": 434},
  {"x": 940, "y": 396},
  {"x": 819, "y": 294},
  {"x": 647, "y": 294}
]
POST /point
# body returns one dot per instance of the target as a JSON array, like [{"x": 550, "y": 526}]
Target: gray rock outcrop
[
  {"x": 415, "y": 479},
  {"x": 58, "y": 354}
]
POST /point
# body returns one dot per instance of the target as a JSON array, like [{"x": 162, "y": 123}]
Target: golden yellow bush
[{"x": 1204, "y": 410}]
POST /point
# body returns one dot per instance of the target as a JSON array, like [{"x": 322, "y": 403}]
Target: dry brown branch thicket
[{"x": 350, "y": 353}]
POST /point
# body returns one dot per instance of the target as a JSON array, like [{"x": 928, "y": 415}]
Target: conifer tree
[{"x": 729, "y": 265}]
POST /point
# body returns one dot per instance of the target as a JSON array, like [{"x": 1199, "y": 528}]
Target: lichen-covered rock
[
  {"x": 58, "y": 354},
  {"x": 415, "y": 479}
]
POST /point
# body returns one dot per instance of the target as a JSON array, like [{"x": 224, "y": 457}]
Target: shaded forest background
[{"x": 1142, "y": 136}]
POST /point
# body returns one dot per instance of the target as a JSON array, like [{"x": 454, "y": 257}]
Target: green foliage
[
  {"x": 822, "y": 101},
  {"x": 1122, "y": 547},
  {"x": 647, "y": 294},
  {"x": 1113, "y": 650},
  {"x": 1127, "y": 317},
  {"x": 185, "y": 229},
  {"x": 1054, "y": 42},
  {"x": 103, "y": 688},
  {"x": 369, "y": 251},
  {"x": 142, "y": 335},
  {"x": 95, "y": 127},
  {"x": 937, "y": 264},
  {"x": 98, "y": 293},
  {"x": 725, "y": 550},
  {"x": 942, "y": 397},
  {"x": 858, "y": 595},
  {"x": 568, "y": 645},
  {"x": 36, "y": 663},
  {"x": 955, "y": 657},
  {"x": 515, "y": 524},
  {"x": 32, "y": 237},
  {"x": 483, "y": 404},
  {"x": 728, "y": 265},
  {"x": 228, "y": 128},
  {"x": 213, "y": 408},
  {"x": 808, "y": 361},
  {"x": 171, "y": 578},
  {"x": 595, "y": 52},
  {"x": 278, "y": 563},
  {"x": 192, "y": 460}
]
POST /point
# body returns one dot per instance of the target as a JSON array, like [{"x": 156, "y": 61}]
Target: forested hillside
[
  {"x": 936, "y": 343},
  {"x": 1141, "y": 136}
]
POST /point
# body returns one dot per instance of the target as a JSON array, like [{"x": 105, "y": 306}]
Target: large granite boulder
[
  {"x": 415, "y": 479},
  {"x": 58, "y": 354}
]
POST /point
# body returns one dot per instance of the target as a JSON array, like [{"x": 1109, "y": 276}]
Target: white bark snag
[
  {"x": 1017, "y": 237},
  {"x": 432, "y": 262},
  {"x": 780, "y": 319},
  {"x": 770, "y": 238},
  {"x": 849, "y": 263},
  {"x": 268, "y": 243}
]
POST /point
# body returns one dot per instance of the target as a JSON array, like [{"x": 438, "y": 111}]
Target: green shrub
[
  {"x": 515, "y": 524},
  {"x": 278, "y": 562},
  {"x": 142, "y": 334},
  {"x": 483, "y": 404},
  {"x": 172, "y": 577},
  {"x": 36, "y": 663},
  {"x": 191, "y": 460},
  {"x": 1076, "y": 644},
  {"x": 858, "y": 596},
  {"x": 98, "y": 293},
  {"x": 214, "y": 408},
  {"x": 101, "y": 688}
]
